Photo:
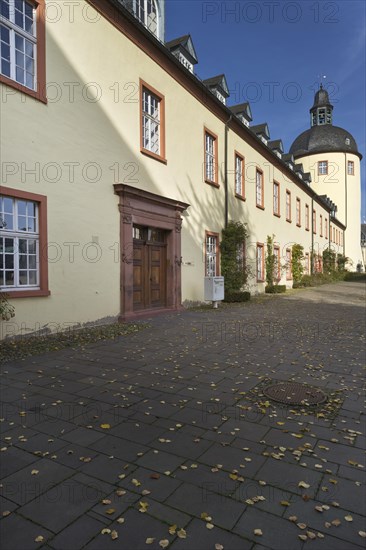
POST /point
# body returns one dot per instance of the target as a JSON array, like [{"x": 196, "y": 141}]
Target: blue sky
[{"x": 274, "y": 53}]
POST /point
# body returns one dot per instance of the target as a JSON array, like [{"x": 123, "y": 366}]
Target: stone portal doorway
[{"x": 150, "y": 237}]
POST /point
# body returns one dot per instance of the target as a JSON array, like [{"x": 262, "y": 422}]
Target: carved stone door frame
[{"x": 138, "y": 207}]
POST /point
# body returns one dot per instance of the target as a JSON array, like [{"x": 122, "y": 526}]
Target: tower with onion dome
[{"x": 331, "y": 155}]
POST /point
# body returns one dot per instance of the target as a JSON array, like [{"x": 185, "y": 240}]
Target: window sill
[
  {"x": 154, "y": 156},
  {"x": 261, "y": 281},
  {"x": 277, "y": 215},
  {"x": 213, "y": 183},
  {"x": 298, "y": 225},
  {"x": 288, "y": 220},
  {"x": 40, "y": 95},
  {"x": 26, "y": 293},
  {"x": 260, "y": 208},
  {"x": 307, "y": 229},
  {"x": 240, "y": 197}
]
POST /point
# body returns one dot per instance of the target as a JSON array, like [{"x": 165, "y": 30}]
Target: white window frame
[
  {"x": 298, "y": 211},
  {"x": 151, "y": 121},
  {"x": 210, "y": 157},
  {"x": 288, "y": 264},
  {"x": 260, "y": 263},
  {"x": 276, "y": 198},
  {"x": 259, "y": 188},
  {"x": 211, "y": 268},
  {"x": 141, "y": 8},
  {"x": 322, "y": 167},
  {"x": 16, "y": 234},
  {"x": 16, "y": 30},
  {"x": 288, "y": 206},
  {"x": 239, "y": 175},
  {"x": 350, "y": 168}
]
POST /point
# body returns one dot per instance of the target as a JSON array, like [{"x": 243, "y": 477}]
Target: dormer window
[
  {"x": 278, "y": 154},
  {"x": 218, "y": 86},
  {"x": 348, "y": 141},
  {"x": 147, "y": 13},
  {"x": 185, "y": 62},
  {"x": 220, "y": 97},
  {"x": 265, "y": 141}
]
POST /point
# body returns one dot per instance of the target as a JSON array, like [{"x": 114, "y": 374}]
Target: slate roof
[{"x": 324, "y": 139}]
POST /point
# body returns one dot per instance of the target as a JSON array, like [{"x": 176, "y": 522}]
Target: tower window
[
  {"x": 348, "y": 141},
  {"x": 350, "y": 168},
  {"x": 322, "y": 167},
  {"x": 321, "y": 116}
]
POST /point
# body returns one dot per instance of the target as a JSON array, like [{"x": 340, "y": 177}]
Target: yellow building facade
[{"x": 113, "y": 201}]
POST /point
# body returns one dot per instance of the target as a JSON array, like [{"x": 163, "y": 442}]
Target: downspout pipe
[
  {"x": 312, "y": 236},
  {"x": 345, "y": 202},
  {"x": 226, "y": 185}
]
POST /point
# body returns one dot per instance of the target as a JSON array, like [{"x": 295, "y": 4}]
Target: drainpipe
[
  {"x": 226, "y": 172},
  {"x": 345, "y": 202},
  {"x": 312, "y": 236}
]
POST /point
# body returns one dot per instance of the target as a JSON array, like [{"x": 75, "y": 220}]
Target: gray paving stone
[
  {"x": 18, "y": 533},
  {"x": 199, "y": 537},
  {"x": 288, "y": 476},
  {"x": 82, "y": 436},
  {"x": 231, "y": 458},
  {"x": 277, "y": 533},
  {"x": 23, "y": 486},
  {"x": 105, "y": 468},
  {"x": 76, "y": 535},
  {"x": 346, "y": 531},
  {"x": 59, "y": 506},
  {"x": 14, "y": 459},
  {"x": 160, "y": 461},
  {"x": 118, "y": 447},
  {"x": 195, "y": 500},
  {"x": 130, "y": 534},
  {"x": 160, "y": 485}
]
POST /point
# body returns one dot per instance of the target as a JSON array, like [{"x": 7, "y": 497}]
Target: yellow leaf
[
  {"x": 39, "y": 539},
  {"x": 110, "y": 511},
  {"x": 105, "y": 531},
  {"x": 149, "y": 540},
  {"x": 284, "y": 503},
  {"x": 209, "y": 526},
  {"x": 233, "y": 476},
  {"x": 182, "y": 534},
  {"x": 143, "y": 506},
  {"x": 164, "y": 543},
  {"x": 258, "y": 532},
  {"x": 114, "y": 535},
  {"x": 121, "y": 520},
  {"x": 172, "y": 529},
  {"x": 105, "y": 426}
]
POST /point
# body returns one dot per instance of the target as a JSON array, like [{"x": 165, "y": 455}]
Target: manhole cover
[{"x": 293, "y": 393}]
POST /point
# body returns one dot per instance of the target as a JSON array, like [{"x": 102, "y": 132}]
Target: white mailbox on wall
[{"x": 214, "y": 288}]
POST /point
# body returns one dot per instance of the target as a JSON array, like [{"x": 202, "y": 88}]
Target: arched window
[{"x": 147, "y": 12}]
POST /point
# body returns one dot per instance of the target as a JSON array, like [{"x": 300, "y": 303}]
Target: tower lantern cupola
[{"x": 321, "y": 111}]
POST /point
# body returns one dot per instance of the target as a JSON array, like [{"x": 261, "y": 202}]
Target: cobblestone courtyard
[{"x": 163, "y": 438}]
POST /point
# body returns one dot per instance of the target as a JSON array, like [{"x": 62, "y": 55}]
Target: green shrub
[
  {"x": 237, "y": 296},
  {"x": 7, "y": 311},
  {"x": 275, "y": 289},
  {"x": 353, "y": 276},
  {"x": 297, "y": 256},
  {"x": 232, "y": 246}
]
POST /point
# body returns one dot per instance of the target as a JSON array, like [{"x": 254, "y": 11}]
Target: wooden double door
[{"x": 149, "y": 268}]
